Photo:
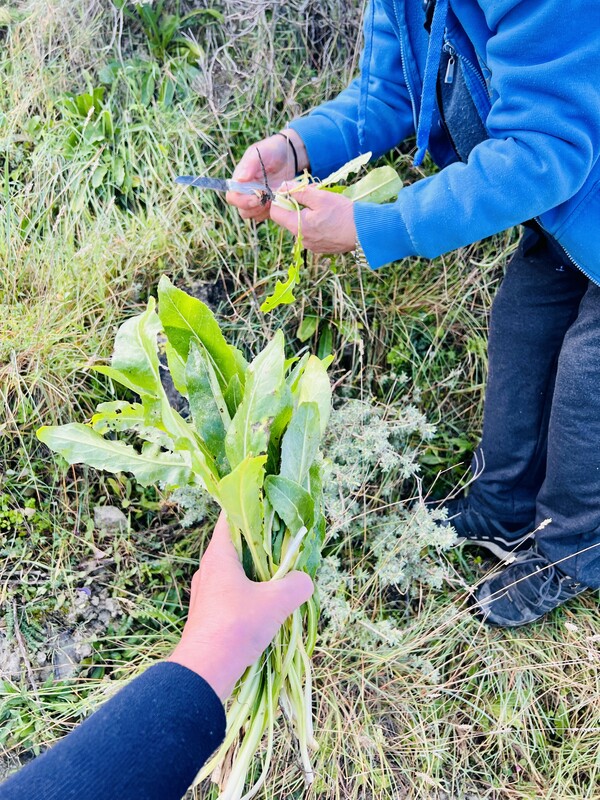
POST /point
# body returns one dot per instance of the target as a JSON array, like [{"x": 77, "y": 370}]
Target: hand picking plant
[
  {"x": 251, "y": 442},
  {"x": 379, "y": 186}
]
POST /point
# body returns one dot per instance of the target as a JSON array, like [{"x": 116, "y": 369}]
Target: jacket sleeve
[
  {"x": 146, "y": 743},
  {"x": 332, "y": 132},
  {"x": 544, "y": 126}
]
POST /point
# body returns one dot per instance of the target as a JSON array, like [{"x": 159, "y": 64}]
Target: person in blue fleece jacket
[
  {"x": 150, "y": 740},
  {"x": 505, "y": 96}
]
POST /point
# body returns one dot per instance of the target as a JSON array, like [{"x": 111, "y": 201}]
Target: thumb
[
  {"x": 308, "y": 196},
  {"x": 291, "y": 591}
]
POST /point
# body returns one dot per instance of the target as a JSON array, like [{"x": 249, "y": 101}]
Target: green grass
[{"x": 445, "y": 708}]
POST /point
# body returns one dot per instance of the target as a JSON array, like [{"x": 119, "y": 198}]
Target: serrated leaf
[
  {"x": 204, "y": 405},
  {"x": 248, "y": 434},
  {"x": 79, "y": 444},
  {"x": 284, "y": 292},
  {"x": 347, "y": 169},
  {"x": 292, "y": 502},
  {"x": 300, "y": 443},
  {"x": 379, "y": 186},
  {"x": 314, "y": 387},
  {"x": 185, "y": 319},
  {"x": 240, "y": 495}
]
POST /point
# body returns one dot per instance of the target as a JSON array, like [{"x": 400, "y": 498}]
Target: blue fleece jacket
[{"x": 533, "y": 69}]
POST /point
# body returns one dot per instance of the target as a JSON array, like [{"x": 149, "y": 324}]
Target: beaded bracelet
[{"x": 294, "y": 153}]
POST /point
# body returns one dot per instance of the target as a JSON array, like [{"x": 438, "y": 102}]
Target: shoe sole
[{"x": 505, "y": 553}]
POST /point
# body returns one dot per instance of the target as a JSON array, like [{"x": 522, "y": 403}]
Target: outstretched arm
[{"x": 149, "y": 741}]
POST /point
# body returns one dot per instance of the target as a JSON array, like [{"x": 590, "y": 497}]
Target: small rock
[{"x": 109, "y": 519}]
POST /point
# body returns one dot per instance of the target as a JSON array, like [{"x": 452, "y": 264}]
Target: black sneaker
[
  {"x": 503, "y": 539},
  {"x": 524, "y": 591}
]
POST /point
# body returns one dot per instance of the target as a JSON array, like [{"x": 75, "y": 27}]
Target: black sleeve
[{"x": 146, "y": 743}]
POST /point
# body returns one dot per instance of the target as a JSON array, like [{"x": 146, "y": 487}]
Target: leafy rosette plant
[{"x": 252, "y": 442}]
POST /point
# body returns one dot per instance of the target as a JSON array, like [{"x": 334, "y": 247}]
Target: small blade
[{"x": 221, "y": 184}]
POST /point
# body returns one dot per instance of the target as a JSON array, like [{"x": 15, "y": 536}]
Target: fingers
[
  {"x": 308, "y": 196},
  {"x": 290, "y": 592},
  {"x": 326, "y": 220},
  {"x": 249, "y": 206},
  {"x": 247, "y": 203},
  {"x": 220, "y": 546},
  {"x": 285, "y": 217}
]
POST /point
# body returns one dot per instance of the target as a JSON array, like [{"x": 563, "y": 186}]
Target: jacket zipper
[
  {"x": 403, "y": 59},
  {"x": 448, "y": 48},
  {"x": 448, "y": 78},
  {"x": 568, "y": 255}
]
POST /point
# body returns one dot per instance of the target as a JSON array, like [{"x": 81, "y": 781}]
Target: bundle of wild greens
[{"x": 252, "y": 442}]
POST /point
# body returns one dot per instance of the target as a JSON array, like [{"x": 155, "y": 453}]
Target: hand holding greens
[{"x": 252, "y": 442}]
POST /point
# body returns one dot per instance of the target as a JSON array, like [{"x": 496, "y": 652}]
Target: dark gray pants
[{"x": 540, "y": 448}]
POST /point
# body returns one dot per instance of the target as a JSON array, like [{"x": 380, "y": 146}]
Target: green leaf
[
  {"x": 312, "y": 544},
  {"x": 204, "y": 405},
  {"x": 166, "y": 92},
  {"x": 307, "y": 327},
  {"x": 186, "y": 319},
  {"x": 296, "y": 373},
  {"x": 309, "y": 557},
  {"x": 148, "y": 88},
  {"x": 347, "y": 169},
  {"x": 118, "y": 171},
  {"x": 79, "y": 444},
  {"x": 379, "y": 186},
  {"x": 300, "y": 443},
  {"x": 98, "y": 175},
  {"x": 325, "y": 344},
  {"x": 278, "y": 427},
  {"x": 143, "y": 419},
  {"x": 118, "y": 415},
  {"x": 240, "y": 495},
  {"x": 248, "y": 434},
  {"x": 134, "y": 362},
  {"x": 120, "y": 377},
  {"x": 176, "y": 366},
  {"x": 314, "y": 386},
  {"x": 293, "y": 504},
  {"x": 284, "y": 292},
  {"x": 233, "y": 394}
]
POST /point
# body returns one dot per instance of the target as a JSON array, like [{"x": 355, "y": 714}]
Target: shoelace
[{"x": 551, "y": 586}]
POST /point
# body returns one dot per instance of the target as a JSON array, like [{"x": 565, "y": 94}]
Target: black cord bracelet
[{"x": 294, "y": 153}]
